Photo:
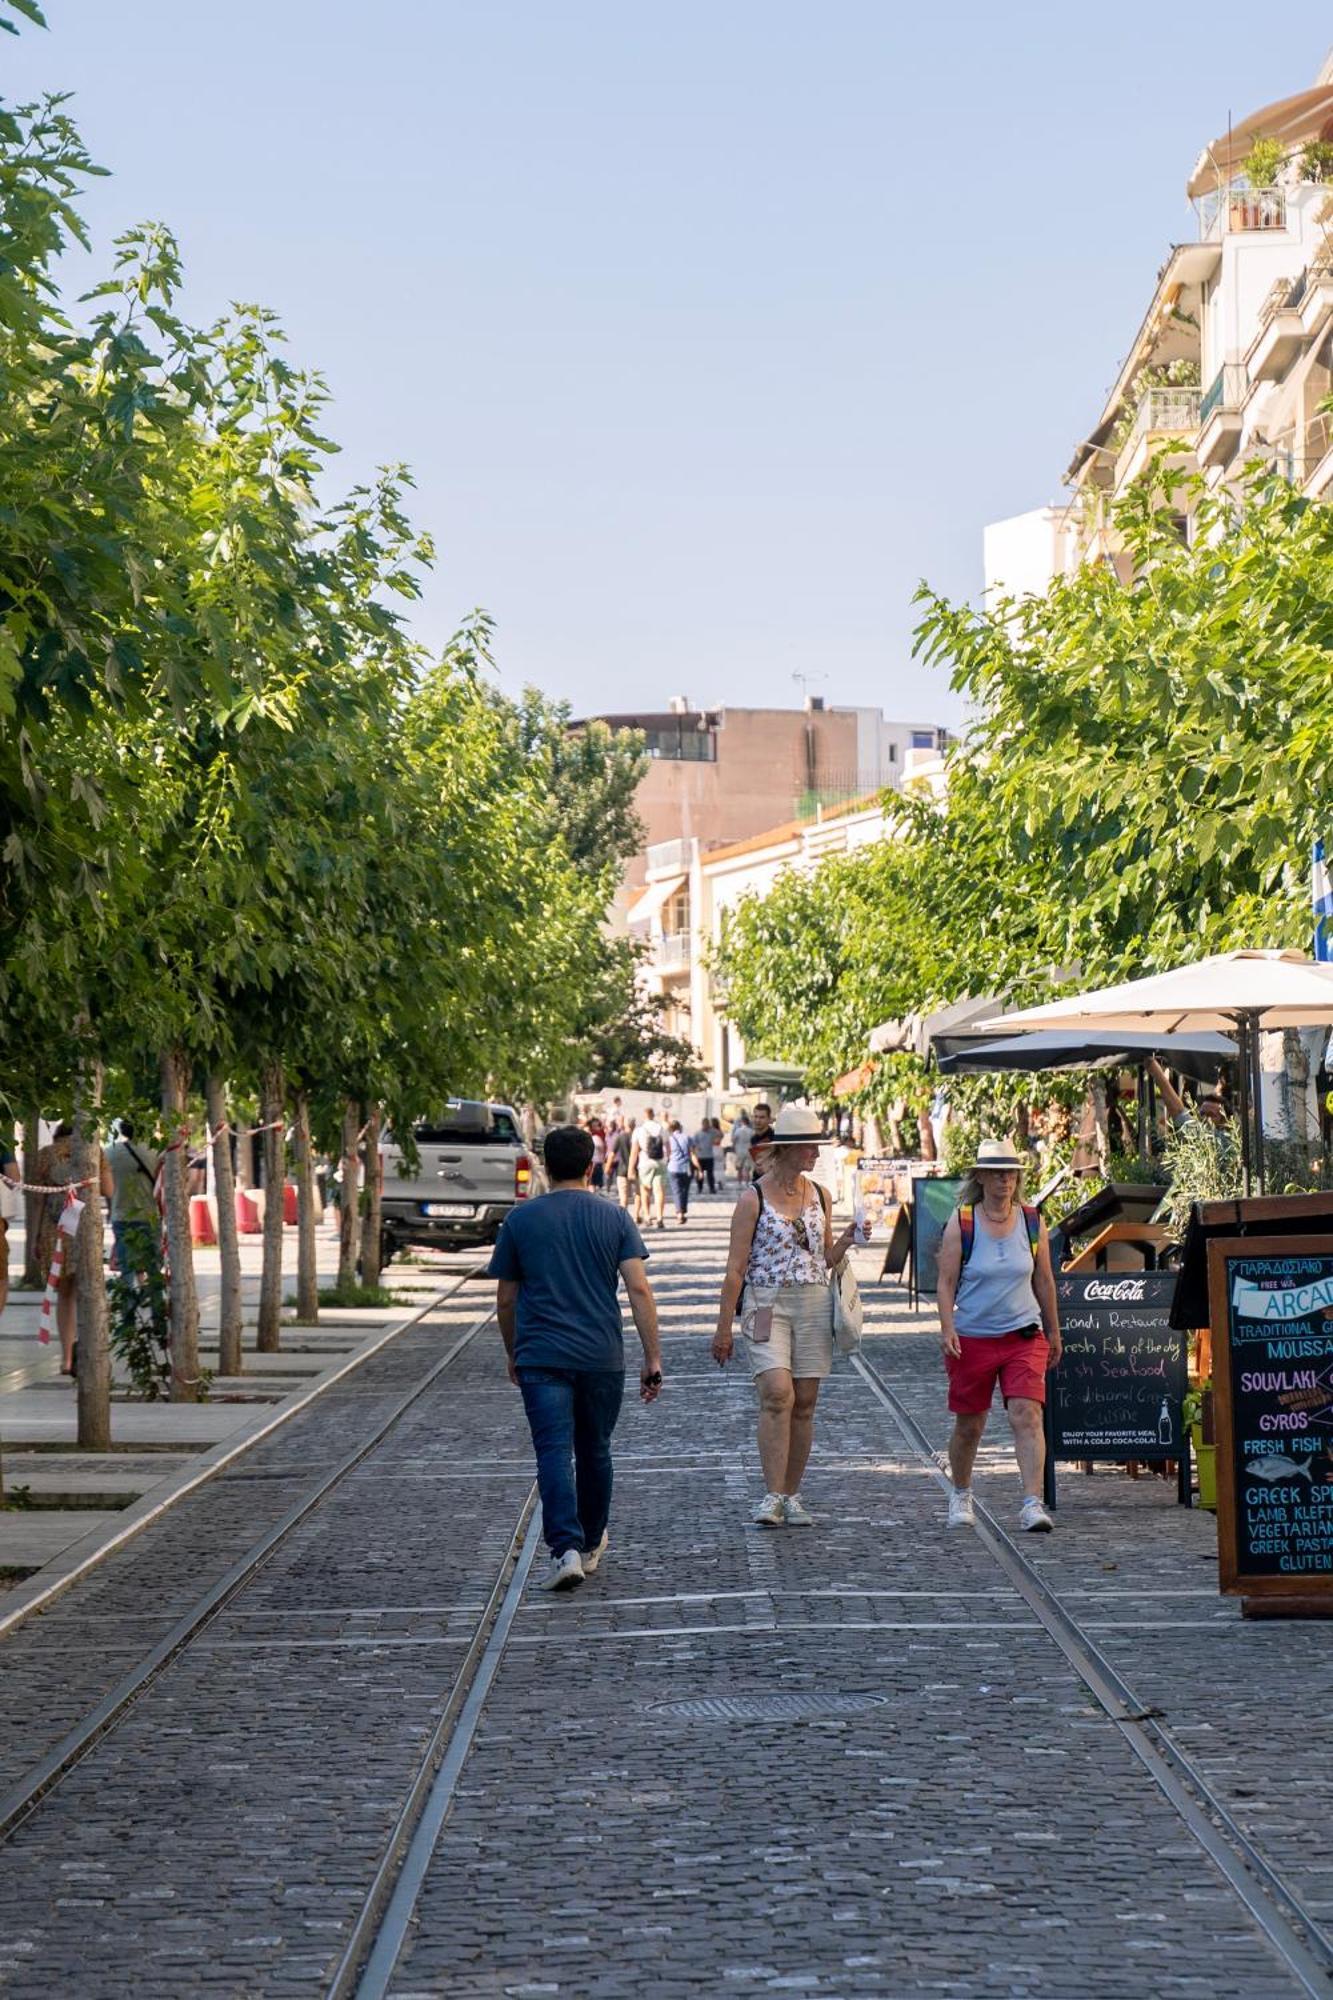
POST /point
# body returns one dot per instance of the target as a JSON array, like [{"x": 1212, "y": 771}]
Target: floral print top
[{"x": 789, "y": 1250}]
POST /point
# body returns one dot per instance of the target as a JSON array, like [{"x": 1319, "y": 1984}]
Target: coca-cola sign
[{"x": 1114, "y": 1291}]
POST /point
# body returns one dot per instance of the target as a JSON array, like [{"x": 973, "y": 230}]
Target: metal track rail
[
  {"x": 23, "y": 1798},
  {"x": 380, "y": 1931},
  {"x": 1297, "y": 1937}
]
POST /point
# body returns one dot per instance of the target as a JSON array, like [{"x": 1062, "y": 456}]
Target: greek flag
[{"x": 1323, "y": 906}]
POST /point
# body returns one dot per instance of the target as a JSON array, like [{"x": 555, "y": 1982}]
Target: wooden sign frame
[{"x": 1264, "y": 1594}]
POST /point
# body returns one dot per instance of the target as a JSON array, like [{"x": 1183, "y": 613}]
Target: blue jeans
[
  {"x": 136, "y": 1247},
  {"x": 681, "y": 1184},
  {"x": 571, "y": 1414}
]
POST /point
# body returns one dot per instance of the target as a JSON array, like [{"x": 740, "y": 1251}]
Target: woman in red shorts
[{"x": 998, "y": 1323}]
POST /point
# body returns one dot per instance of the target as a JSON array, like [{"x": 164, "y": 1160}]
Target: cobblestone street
[{"x": 849, "y": 1762}]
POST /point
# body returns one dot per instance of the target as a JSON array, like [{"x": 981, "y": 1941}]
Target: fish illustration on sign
[{"x": 1275, "y": 1467}]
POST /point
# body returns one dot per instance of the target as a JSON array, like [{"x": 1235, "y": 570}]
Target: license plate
[{"x": 449, "y": 1208}]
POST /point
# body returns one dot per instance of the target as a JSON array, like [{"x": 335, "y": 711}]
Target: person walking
[
  {"x": 617, "y": 1162},
  {"x": 742, "y": 1133},
  {"x": 11, "y": 1205},
  {"x": 559, "y": 1261},
  {"x": 598, "y": 1135},
  {"x": 761, "y": 1140},
  {"x": 705, "y": 1141},
  {"x": 135, "y": 1223},
  {"x": 783, "y": 1252},
  {"x": 56, "y": 1170},
  {"x": 648, "y": 1160},
  {"x": 682, "y": 1162},
  {"x": 999, "y": 1323}
]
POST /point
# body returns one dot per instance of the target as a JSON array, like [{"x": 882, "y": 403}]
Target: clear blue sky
[{"x": 708, "y": 329}]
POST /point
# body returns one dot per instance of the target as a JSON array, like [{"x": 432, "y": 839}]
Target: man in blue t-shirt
[{"x": 559, "y": 1261}]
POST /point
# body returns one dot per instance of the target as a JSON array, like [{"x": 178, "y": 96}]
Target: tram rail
[
  {"x": 24, "y": 1797},
  {"x": 1294, "y": 1933}
]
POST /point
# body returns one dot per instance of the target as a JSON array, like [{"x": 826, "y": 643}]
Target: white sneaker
[
  {"x": 1033, "y": 1518},
  {"x": 771, "y": 1511},
  {"x": 566, "y": 1572},
  {"x": 796, "y": 1513},
  {"x": 960, "y": 1508},
  {"x": 591, "y": 1557}
]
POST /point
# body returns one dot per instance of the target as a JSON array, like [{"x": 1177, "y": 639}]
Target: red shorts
[{"x": 1018, "y": 1365}]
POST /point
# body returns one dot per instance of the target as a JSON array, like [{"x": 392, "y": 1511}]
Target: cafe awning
[
  {"x": 654, "y": 898},
  {"x": 1200, "y": 1055},
  {"x": 1294, "y": 120},
  {"x": 760, "y": 1075}
]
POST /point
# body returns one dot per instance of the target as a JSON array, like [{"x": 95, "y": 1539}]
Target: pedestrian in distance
[
  {"x": 560, "y": 1260},
  {"x": 11, "y": 1206},
  {"x": 135, "y": 1222},
  {"x": 598, "y": 1136},
  {"x": 649, "y": 1162},
  {"x": 783, "y": 1253},
  {"x": 999, "y": 1324},
  {"x": 56, "y": 1170},
  {"x": 682, "y": 1164},
  {"x": 761, "y": 1140},
  {"x": 705, "y": 1143},
  {"x": 742, "y": 1133},
  {"x": 617, "y": 1163}
]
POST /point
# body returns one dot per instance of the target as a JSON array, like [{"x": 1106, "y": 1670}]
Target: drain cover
[{"x": 766, "y": 1707}]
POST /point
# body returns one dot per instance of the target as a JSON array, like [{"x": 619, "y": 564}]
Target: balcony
[
  {"x": 671, "y": 952},
  {"x": 1315, "y": 302},
  {"x": 669, "y": 857},
  {"x": 1163, "y": 416},
  {"x": 1281, "y": 333},
  {"x": 1220, "y": 414},
  {"x": 1243, "y": 211}
]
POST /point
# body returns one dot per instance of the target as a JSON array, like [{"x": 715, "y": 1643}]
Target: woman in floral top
[{"x": 782, "y": 1253}]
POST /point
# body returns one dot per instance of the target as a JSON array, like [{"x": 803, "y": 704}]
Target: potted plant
[
  {"x": 1263, "y": 162},
  {"x": 1197, "y": 1414}
]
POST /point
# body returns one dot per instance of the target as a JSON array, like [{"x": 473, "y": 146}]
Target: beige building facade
[
  {"x": 689, "y": 887},
  {"x": 1233, "y": 358}
]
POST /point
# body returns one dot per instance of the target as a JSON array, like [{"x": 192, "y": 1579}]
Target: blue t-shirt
[
  {"x": 564, "y": 1251},
  {"x": 678, "y": 1153}
]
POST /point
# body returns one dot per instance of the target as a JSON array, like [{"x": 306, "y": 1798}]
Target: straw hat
[
  {"x": 797, "y": 1125},
  {"x": 997, "y": 1156}
]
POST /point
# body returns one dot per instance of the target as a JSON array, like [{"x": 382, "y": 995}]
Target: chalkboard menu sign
[
  {"x": 1117, "y": 1392},
  {"x": 1272, "y": 1320},
  {"x": 934, "y": 1199}
]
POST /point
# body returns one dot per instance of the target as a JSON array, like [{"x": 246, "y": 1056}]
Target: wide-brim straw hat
[
  {"x": 797, "y": 1125},
  {"x": 997, "y": 1156}
]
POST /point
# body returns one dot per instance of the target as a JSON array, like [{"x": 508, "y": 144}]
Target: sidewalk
[{"x": 62, "y": 1503}]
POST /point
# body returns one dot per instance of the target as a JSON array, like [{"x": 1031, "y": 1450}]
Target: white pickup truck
[{"x": 472, "y": 1167}]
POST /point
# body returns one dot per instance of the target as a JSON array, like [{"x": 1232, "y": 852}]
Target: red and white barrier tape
[{"x": 70, "y": 1216}]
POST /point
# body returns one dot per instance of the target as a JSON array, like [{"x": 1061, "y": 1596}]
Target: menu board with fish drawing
[{"x": 1271, "y": 1308}]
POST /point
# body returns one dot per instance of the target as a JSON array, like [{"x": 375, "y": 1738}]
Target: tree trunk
[
  {"x": 94, "y": 1365},
  {"x": 230, "y": 1361},
  {"x": 927, "y": 1135},
  {"x": 34, "y": 1280},
  {"x": 272, "y": 1112},
  {"x": 307, "y": 1282},
  {"x": 184, "y": 1300},
  {"x": 1023, "y": 1122},
  {"x": 1101, "y": 1122},
  {"x": 371, "y": 1221},
  {"x": 349, "y": 1217}
]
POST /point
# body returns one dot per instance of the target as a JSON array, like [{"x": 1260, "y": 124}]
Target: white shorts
[
  {"x": 652, "y": 1173},
  {"x": 802, "y": 1336}
]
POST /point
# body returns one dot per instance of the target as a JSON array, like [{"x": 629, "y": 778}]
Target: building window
[
  {"x": 923, "y": 739},
  {"x": 684, "y": 743},
  {"x": 893, "y": 753}
]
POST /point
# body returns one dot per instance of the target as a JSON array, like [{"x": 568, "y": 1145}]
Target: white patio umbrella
[{"x": 1237, "y": 992}]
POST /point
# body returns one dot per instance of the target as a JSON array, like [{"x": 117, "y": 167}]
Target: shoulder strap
[
  {"x": 1033, "y": 1221},
  {"x": 140, "y": 1164},
  {"x": 824, "y": 1198},
  {"x": 967, "y": 1227},
  {"x": 758, "y": 1187}
]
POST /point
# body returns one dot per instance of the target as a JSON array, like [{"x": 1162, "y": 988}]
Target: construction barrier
[
  {"x": 247, "y": 1213},
  {"x": 201, "y": 1220}
]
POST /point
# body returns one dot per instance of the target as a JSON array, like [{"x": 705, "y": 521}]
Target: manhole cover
[{"x": 766, "y": 1707}]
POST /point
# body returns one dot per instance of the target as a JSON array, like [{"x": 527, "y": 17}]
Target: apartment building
[
  {"x": 725, "y": 774},
  {"x": 1234, "y": 355},
  {"x": 689, "y": 886}
]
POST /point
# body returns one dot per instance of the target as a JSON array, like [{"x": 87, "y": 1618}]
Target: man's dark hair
[
  {"x": 765, "y": 1107},
  {"x": 567, "y": 1151}
]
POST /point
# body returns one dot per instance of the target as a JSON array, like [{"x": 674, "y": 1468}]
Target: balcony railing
[
  {"x": 669, "y": 854},
  {"x": 1235, "y": 210},
  {"x": 1225, "y": 392},
  {"x": 672, "y": 951}
]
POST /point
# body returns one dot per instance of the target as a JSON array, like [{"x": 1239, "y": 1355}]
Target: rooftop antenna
[{"x": 803, "y": 681}]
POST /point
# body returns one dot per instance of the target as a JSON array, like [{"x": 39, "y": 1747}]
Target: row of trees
[
  {"x": 1147, "y": 767},
  {"x": 255, "y": 845}
]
